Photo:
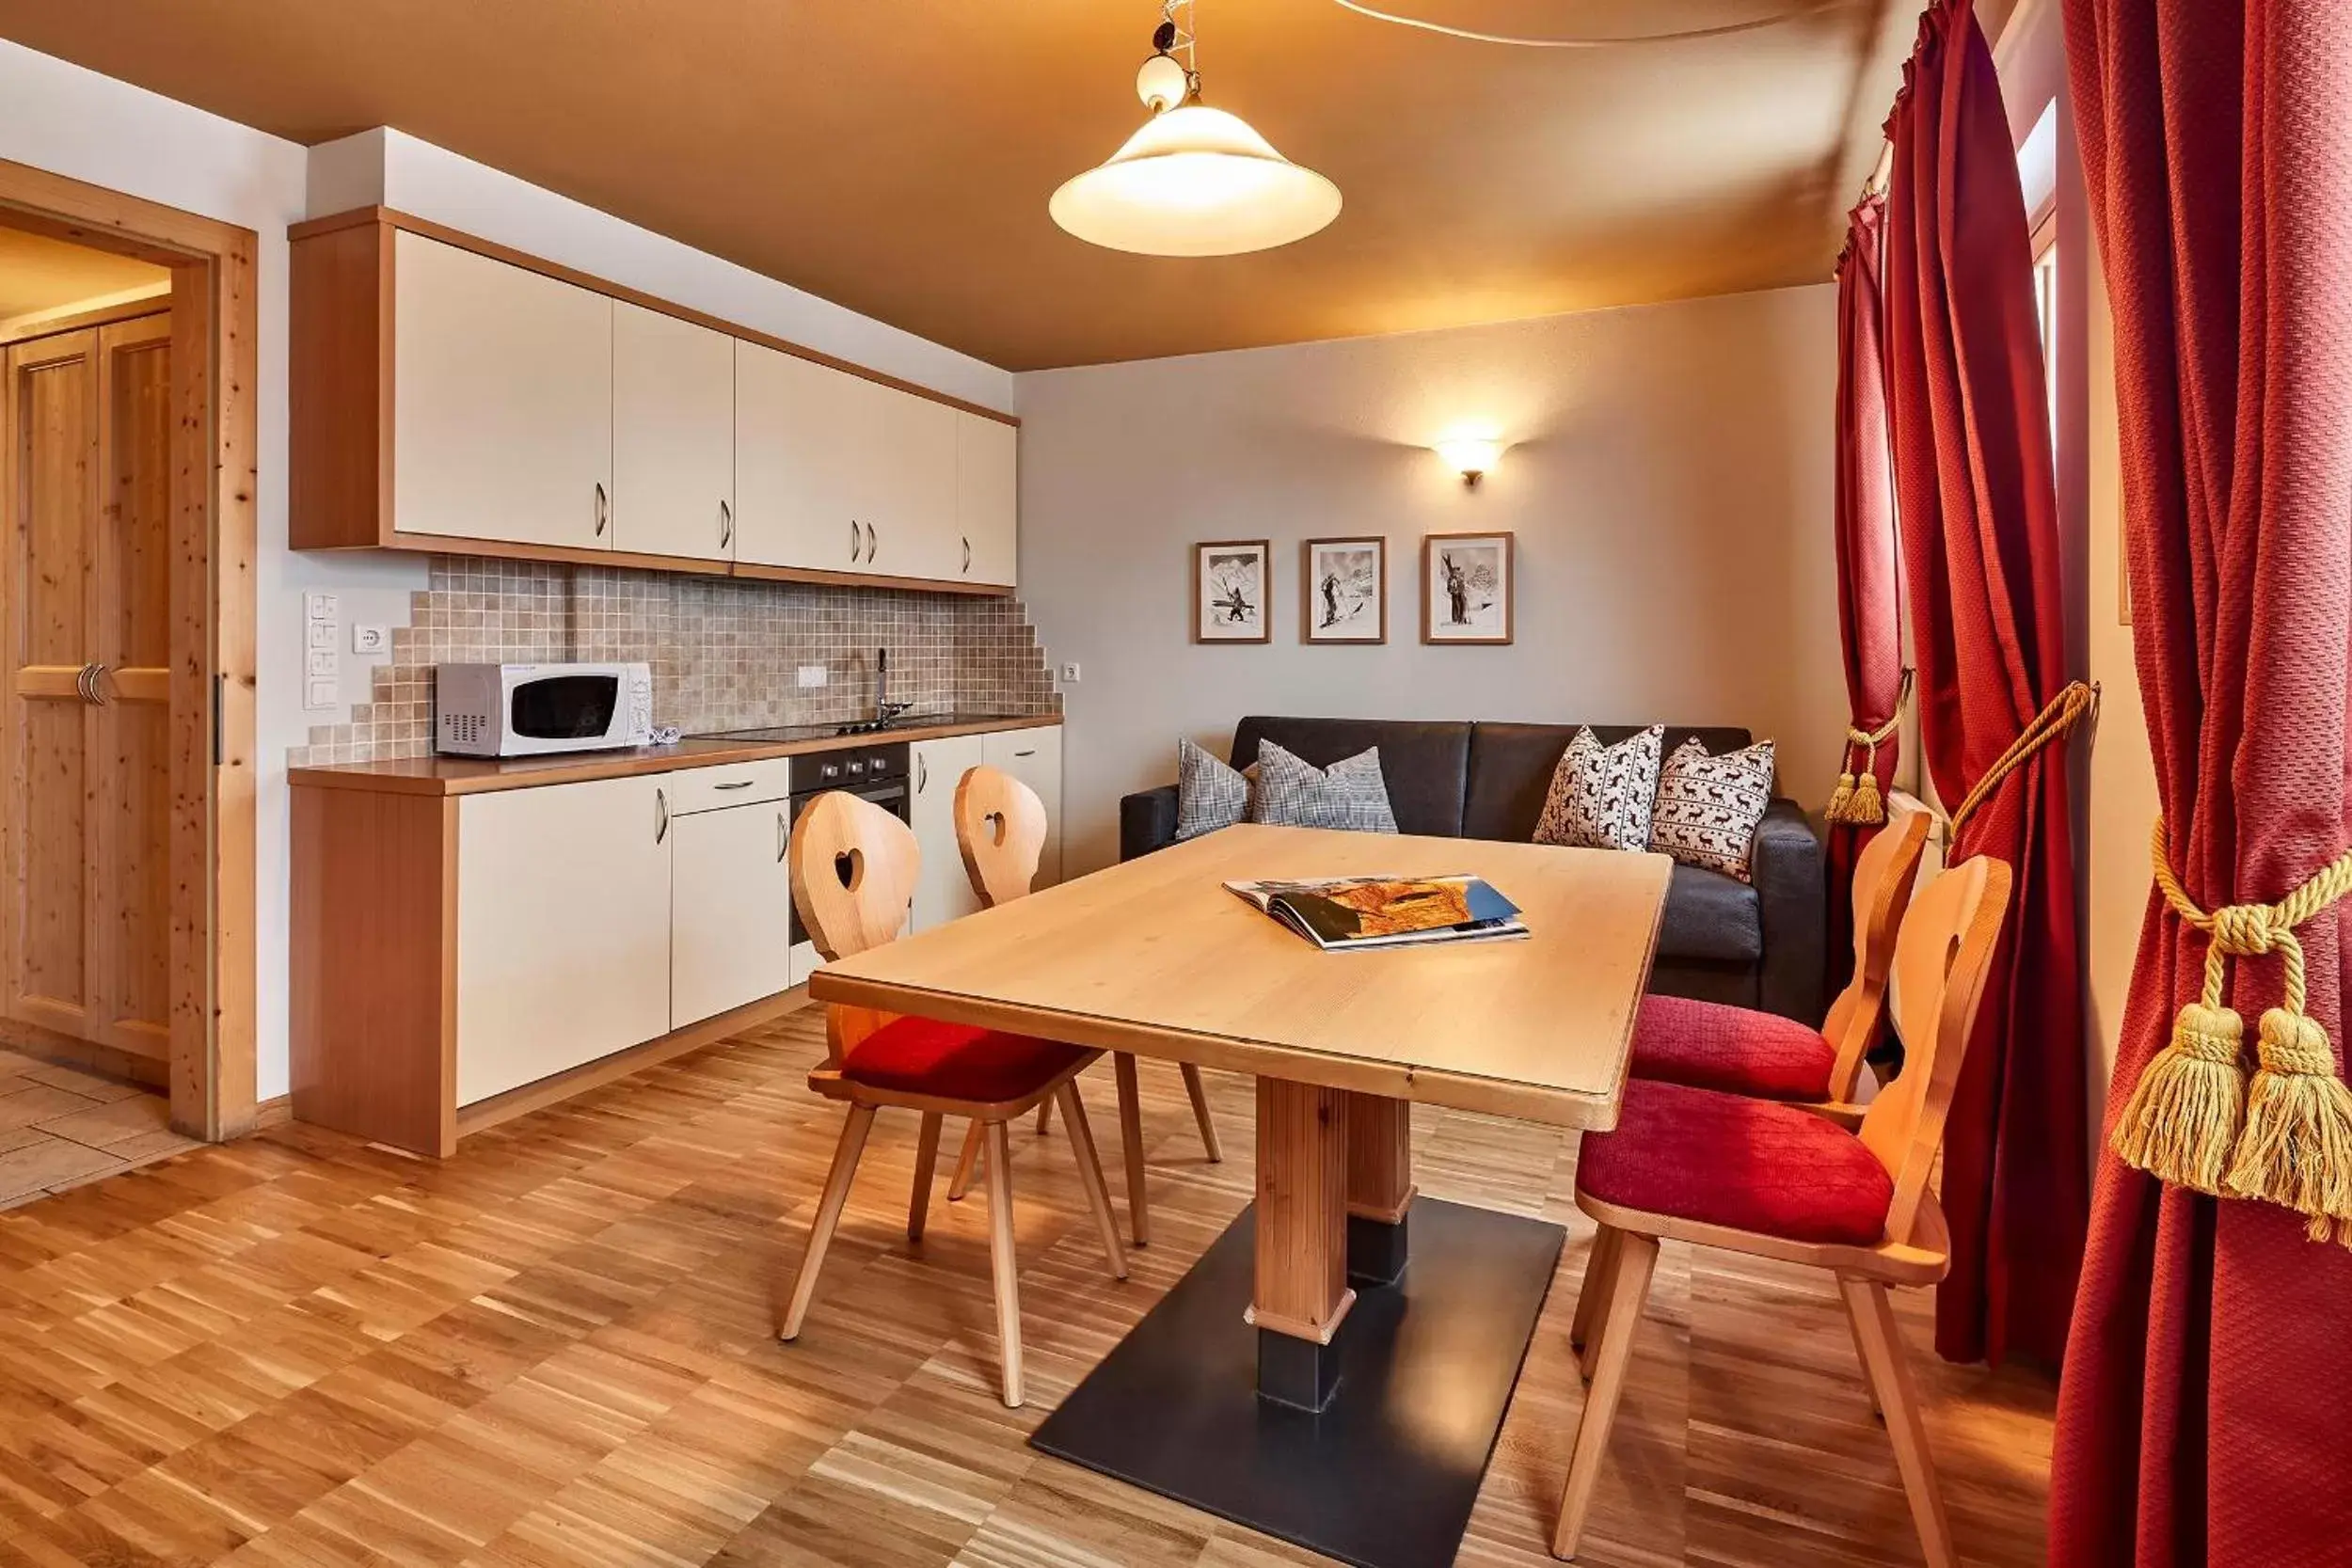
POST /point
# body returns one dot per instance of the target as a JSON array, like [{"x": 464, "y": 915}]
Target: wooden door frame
[{"x": 215, "y": 366}]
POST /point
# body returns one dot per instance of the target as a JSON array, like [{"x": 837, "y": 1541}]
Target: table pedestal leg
[
  {"x": 1300, "y": 1295},
  {"x": 1379, "y": 1186}
]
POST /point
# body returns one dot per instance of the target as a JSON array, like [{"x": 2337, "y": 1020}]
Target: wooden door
[
  {"x": 503, "y": 401},
  {"x": 943, "y": 891},
  {"x": 86, "y": 944},
  {"x": 730, "y": 910},
  {"x": 672, "y": 437},
  {"x": 563, "y": 928},
  {"x": 794, "y": 429},
  {"x": 987, "y": 499}
]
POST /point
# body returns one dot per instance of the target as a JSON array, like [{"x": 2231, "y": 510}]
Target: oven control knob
[
  {"x": 880, "y": 765},
  {"x": 830, "y": 771},
  {"x": 856, "y": 766}
]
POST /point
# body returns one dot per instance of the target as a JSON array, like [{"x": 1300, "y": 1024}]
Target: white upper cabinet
[
  {"x": 502, "y": 400},
  {"x": 798, "y": 443},
  {"x": 672, "y": 437},
  {"x": 912, "y": 489},
  {"x": 987, "y": 499}
]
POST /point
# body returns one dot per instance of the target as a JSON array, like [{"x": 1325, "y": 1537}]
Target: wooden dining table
[{"x": 1335, "y": 1368}]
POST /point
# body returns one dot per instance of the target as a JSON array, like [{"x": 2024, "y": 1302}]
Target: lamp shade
[{"x": 1196, "y": 182}]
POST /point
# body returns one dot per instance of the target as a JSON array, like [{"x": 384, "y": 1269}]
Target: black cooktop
[{"x": 856, "y": 728}]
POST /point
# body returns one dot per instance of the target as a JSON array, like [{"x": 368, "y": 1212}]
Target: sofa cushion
[
  {"x": 1511, "y": 766},
  {"x": 1423, "y": 763},
  {"x": 1350, "y": 795},
  {"x": 1710, "y": 916},
  {"x": 1601, "y": 796},
  {"x": 1707, "y": 806},
  {"x": 1209, "y": 795}
]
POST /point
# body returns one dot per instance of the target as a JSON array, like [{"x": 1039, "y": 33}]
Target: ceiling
[
  {"x": 39, "y": 274},
  {"x": 896, "y": 157}
]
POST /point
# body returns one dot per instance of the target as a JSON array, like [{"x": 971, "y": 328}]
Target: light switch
[
  {"x": 322, "y": 662},
  {"x": 320, "y": 695},
  {"x": 321, "y": 607}
]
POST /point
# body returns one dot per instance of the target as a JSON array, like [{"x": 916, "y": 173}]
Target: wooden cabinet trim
[{"x": 391, "y": 217}]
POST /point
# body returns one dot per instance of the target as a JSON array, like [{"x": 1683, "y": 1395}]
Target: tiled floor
[{"x": 60, "y": 1127}]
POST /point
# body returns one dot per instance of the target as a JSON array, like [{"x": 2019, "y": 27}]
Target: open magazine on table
[{"x": 1345, "y": 913}]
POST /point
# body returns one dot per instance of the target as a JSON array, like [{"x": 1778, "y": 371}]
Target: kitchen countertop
[{"x": 440, "y": 775}]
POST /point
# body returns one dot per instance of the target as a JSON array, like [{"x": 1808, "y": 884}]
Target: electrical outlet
[
  {"x": 369, "y": 640},
  {"x": 811, "y": 674},
  {"x": 1070, "y": 674}
]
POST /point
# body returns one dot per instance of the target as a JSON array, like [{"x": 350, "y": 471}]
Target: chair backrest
[
  {"x": 1942, "y": 959},
  {"x": 853, "y": 868},
  {"x": 1882, "y": 880},
  {"x": 1000, "y": 827}
]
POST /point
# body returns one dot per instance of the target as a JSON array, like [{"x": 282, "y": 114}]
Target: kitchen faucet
[{"x": 885, "y": 709}]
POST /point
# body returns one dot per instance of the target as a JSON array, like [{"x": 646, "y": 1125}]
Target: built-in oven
[{"x": 874, "y": 771}]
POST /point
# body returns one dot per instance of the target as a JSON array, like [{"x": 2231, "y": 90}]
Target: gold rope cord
[
  {"x": 2195, "y": 1121},
  {"x": 1857, "y": 800},
  {"x": 2079, "y": 700}
]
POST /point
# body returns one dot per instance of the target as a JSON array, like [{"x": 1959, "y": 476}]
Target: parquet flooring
[{"x": 554, "y": 1350}]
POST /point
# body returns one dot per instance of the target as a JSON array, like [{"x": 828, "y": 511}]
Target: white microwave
[{"x": 527, "y": 710}]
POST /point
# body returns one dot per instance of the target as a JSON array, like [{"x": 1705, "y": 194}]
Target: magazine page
[{"x": 1363, "y": 911}]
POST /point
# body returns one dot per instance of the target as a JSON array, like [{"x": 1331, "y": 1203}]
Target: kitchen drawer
[{"x": 741, "y": 784}]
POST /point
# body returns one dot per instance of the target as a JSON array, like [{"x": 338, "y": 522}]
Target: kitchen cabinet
[
  {"x": 1034, "y": 757},
  {"x": 563, "y": 928},
  {"x": 730, "y": 910},
  {"x": 502, "y": 401},
  {"x": 987, "y": 499},
  {"x": 673, "y": 436},
  {"x": 943, "y": 892},
  {"x": 454, "y": 396}
]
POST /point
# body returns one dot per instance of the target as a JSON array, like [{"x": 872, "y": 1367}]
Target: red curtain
[
  {"x": 1869, "y": 610},
  {"x": 1977, "y": 509},
  {"x": 2205, "y": 1417}
]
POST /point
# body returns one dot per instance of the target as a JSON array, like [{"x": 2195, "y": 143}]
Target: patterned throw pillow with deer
[
  {"x": 1708, "y": 807},
  {"x": 1601, "y": 796}
]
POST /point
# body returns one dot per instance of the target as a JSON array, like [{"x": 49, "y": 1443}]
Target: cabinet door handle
[
  {"x": 739, "y": 783},
  {"x": 726, "y": 524},
  {"x": 967, "y": 554},
  {"x": 661, "y": 816},
  {"x": 1030, "y": 753},
  {"x": 783, "y": 837},
  {"x": 604, "y": 509},
  {"x": 922, "y": 774}
]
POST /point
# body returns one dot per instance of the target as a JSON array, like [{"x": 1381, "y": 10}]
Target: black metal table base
[{"x": 1386, "y": 1474}]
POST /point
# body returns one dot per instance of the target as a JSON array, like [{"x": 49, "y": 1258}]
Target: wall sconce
[{"x": 1470, "y": 456}]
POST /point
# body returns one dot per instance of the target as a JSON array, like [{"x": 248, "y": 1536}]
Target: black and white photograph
[
  {"x": 1466, "y": 588},
  {"x": 1231, "y": 580},
  {"x": 1345, "y": 589}
]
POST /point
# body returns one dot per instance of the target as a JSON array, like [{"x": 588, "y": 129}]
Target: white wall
[
  {"x": 1669, "y": 480},
  {"x": 58, "y": 117}
]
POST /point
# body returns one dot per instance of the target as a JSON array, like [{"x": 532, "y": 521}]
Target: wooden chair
[
  {"x": 1775, "y": 1181},
  {"x": 1711, "y": 1045},
  {"x": 1000, "y": 829},
  {"x": 853, "y": 868}
]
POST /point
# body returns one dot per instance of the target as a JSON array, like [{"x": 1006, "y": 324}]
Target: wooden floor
[
  {"x": 63, "y": 1127},
  {"x": 554, "y": 1350}
]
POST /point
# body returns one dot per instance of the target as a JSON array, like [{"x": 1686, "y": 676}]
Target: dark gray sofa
[{"x": 1722, "y": 939}]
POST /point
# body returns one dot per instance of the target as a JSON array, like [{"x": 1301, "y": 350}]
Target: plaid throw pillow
[
  {"x": 1350, "y": 794},
  {"x": 1601, "y": 796},
  {"x": 1209, "y": 794},
  {"x": 1708, "y": 807}
]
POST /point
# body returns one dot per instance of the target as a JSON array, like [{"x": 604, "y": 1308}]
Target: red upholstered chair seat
[
  {"x": 1708, "y": 1045},
  {"x": 955, "y": 1061},
  {"x": 1750, "y": 1164}
]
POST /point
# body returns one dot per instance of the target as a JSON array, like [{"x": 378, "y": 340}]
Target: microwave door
[{"x": 564, "y": 707}]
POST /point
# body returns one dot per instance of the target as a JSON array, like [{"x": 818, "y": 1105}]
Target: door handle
[
  {"x": 1030, "y": 753},
  {"x": 661, "y": 816},
  {"x": 86, "y": 680},
  {"x": 853, "y": 539},
  {"x": 869, "y": 544},
  {"x": 726, "y": 524},
  {"x": 604, "y": 509},
  {"x": 81, "y": 684},
  {"x": 967, "y": 554},
  {"x": 783, "y": 837},
  {"x": 922, "y": 774},
  {"x": 739, "y": 783}
]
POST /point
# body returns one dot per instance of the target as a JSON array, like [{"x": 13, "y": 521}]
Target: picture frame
[
  {"x": 1344, "y": 590},
  {"x": 1468, "y": 584},
  {"x": 1233, "y": 583}
]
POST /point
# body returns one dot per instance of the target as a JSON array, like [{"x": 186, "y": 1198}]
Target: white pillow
[
  {"x": 1601, "y": 796},
  {"x": 1708, "y": 807}
]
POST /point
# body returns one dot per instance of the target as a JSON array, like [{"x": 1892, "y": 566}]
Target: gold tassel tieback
[
  {"x": 2076, "y": 701},
  {"x": 2193, "y": 1120},
  {"x": 1857, "y": 800}
]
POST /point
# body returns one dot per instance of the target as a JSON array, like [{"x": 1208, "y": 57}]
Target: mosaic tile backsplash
[{"x": 725, "y": 651}]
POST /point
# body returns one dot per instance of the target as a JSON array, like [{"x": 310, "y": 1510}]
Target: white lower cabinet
[
  {"x": 1034, "y": 758},
  {"x": 730, "y": 910},
  {"x": 563, "y": 928},
  {"x": 943, "y": 891}
]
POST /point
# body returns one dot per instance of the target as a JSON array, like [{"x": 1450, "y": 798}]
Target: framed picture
[
  {"x": 1344, "y": 590},
  {"x": 1466, "y": 580},
  {"x": 1231, "y": 580}
]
